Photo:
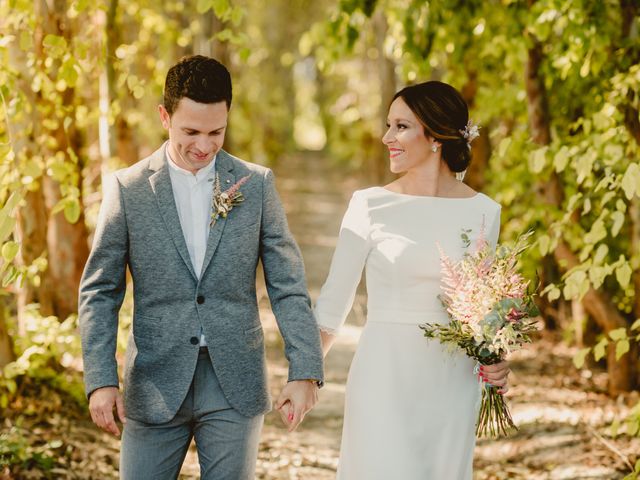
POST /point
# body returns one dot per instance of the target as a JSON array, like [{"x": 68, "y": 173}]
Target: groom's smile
[{"x": 196, "y": 132}]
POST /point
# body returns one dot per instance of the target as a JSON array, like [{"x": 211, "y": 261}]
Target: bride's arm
[{"x": 338, "y": 292}]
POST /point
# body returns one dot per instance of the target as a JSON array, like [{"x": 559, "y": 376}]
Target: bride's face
[{"x": 408, "y": 146}]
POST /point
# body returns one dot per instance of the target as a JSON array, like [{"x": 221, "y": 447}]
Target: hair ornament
[{"x": 470, "y": 132}]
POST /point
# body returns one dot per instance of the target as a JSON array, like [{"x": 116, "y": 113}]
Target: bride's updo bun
[{"x": 444, "y": 115}]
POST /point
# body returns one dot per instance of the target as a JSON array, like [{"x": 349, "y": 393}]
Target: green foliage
[
  {"x": 16, "y": 451},
  {"x": 48, "y": 351}
]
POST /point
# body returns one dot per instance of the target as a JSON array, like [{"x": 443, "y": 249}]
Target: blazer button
[
  {"x": 200, "y": 299},
  {"x": 194, "y": 340}
]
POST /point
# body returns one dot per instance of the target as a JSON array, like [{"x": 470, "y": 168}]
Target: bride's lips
[{"x": 394, "y": 152}]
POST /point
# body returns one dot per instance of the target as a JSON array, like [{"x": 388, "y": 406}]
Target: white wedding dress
[{"x": 411, "y": 405}]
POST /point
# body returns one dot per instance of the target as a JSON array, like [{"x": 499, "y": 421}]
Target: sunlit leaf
[
  {"x": 618, "y": 334},
  {"x": 543, "y": 244},
  {"x": 623, "y": 274},
  {"x": 554, "y": 294},
  {"x": 504, "y": 146},
  {"x": 203, "y": 6},
  {"x": 579, "y": 358},
  {"x": 618, "y": 221},
  {"x": 600, "y": 349},
  {"x": 622, "y": 347},
  {"x": 9, "y": 251},
  {"x": 631, "y": 181},
  {"x": 72, "y": 210},
  {"x": 537, "y": 160}
]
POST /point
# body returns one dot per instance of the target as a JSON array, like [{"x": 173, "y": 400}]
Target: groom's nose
[{"x": 205, "y": 143}]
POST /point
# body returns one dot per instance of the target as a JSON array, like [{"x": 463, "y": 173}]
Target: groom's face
[{"x": 196, "y": 132}]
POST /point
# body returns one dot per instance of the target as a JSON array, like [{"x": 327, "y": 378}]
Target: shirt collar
[{"x": 199, "y": 175}]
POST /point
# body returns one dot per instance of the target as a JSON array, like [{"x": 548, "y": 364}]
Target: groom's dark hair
[{"x": 200, "y": 78}]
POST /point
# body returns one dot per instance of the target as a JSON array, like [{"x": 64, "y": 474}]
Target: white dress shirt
[{"x": 193, "y": 195}]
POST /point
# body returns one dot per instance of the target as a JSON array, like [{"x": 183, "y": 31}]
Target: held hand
[
  {"x": 496, "y": 375},
  {"x": 295, "y": 400},
  {"x": 101, "y": 404}
]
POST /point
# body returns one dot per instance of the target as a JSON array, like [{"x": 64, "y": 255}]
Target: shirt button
[
  {"x": 200, "y": 299},
  {"x": 194, "y": 341}
]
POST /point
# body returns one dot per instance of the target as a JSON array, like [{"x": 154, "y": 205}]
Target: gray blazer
[{"x": 139, "y": 228}]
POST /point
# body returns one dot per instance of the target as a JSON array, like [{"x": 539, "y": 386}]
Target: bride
[{"x": 410, "y": 405}]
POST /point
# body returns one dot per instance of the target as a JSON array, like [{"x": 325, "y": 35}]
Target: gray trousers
[{"x": 227, "y": 442}]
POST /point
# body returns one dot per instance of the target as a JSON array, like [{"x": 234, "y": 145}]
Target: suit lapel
[
  {"x": 161, "y": 185},
  {"x": 224, "y": 168}
]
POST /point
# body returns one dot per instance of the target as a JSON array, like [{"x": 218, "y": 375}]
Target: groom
[{"x": 195, "y": 361}]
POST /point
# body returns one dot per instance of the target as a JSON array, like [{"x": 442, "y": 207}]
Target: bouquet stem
[{"x": 494, "y": 418}]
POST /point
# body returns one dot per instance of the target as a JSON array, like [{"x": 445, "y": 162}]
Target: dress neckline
[{"x": 427, "y": 196}]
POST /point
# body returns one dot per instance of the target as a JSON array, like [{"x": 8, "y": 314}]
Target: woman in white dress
[{"x": 410, "y": 405}]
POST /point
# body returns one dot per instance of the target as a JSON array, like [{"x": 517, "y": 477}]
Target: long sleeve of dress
[
  {"x": 338, "y": 292},
  {"x": 494, "y": 229}
]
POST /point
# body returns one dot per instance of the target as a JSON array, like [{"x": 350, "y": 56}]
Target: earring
[
  {"x": 460, "y": 175},
  {"x": 434, "y": 148}
]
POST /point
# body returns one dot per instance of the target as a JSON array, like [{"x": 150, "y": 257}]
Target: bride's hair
[{"x": 443, "y": 114}]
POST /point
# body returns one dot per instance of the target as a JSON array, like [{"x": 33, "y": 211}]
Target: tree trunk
[
  {"x": 481, "y": 147},
  {"x": 6, "y": 346},
  {"x": 67, "y": 243},
  {"x": 122, "y": 142},
  {"x": 379, "y": 157},
  {"x": 31, "y": 234}
]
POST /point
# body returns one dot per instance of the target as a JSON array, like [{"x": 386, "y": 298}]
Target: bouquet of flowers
[{"x": 490, "y": 311}]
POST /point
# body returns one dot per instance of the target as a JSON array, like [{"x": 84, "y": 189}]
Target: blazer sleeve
[
  {"x": 286, "y": 285},
  {"x": 339, "y": 290},
  {"x": 102, "y": 290}
]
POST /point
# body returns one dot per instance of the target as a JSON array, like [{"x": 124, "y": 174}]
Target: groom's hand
[
  {"x": 295, "y": 400},
  {"x": 101, "y": 404}
]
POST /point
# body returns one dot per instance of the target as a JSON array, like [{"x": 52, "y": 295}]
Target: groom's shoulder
[{"x": 139, "y": 171}]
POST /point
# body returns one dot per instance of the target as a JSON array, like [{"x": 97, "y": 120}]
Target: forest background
[{"x": 555, "y": 85}]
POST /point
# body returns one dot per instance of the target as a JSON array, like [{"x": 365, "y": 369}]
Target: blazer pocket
[
  {"x": 254, "y": 336},
  {"x": 146, "y": 327}
]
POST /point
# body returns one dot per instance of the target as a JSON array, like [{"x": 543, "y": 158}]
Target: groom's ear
[{"x": 165, "y": 118}]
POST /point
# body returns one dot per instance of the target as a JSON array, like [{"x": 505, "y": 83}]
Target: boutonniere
[{"x": 223, "y": 202}]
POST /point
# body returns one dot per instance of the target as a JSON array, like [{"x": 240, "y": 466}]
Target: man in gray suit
[{"x": 195, "y": 363}]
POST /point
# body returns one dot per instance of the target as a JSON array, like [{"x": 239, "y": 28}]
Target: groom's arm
[
  {"x": 286, "y": 285},
  {"x": 102, "y": 290}
]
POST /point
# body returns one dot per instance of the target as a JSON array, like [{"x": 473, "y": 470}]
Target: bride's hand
[{"x": 496, "y": 375}]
